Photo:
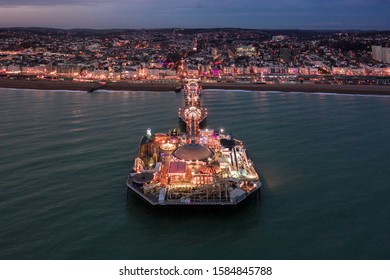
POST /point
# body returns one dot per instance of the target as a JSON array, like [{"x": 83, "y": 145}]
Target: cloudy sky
[{"x": 304, "y": 14}]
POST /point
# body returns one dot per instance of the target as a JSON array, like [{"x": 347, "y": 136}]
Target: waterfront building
[
  {"x": 13, "y": 69},
  {"x": 386, "y": 55},
  {"x": 381, "y": 54}
]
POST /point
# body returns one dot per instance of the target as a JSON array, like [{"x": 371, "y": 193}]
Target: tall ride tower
[{"x": 193, "y": 114}]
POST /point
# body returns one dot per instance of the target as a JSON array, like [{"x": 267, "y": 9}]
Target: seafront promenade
[{"x": 150, "y": 86}]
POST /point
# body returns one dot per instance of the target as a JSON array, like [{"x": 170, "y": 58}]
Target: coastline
[{"x": 125, "y": 86}]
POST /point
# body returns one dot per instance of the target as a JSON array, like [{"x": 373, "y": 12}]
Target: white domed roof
[{"x": 192, "y": 152}]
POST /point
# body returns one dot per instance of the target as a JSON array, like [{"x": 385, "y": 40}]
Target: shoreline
[{"x": 125, "y": 86}]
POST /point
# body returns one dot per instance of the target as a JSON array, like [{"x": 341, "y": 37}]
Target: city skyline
[{"x": 293, "y": 14}]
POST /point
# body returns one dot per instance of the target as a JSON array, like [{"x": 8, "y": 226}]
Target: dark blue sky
[{"x": 303, "y": 14}]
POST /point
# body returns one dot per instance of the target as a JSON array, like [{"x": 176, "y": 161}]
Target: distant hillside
[{"x": 267, "y": 32}]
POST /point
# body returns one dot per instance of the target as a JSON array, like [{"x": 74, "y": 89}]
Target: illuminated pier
[{"x": 196, "y": 167}]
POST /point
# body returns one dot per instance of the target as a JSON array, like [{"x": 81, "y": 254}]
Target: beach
[{"x": 150, "y": 86}]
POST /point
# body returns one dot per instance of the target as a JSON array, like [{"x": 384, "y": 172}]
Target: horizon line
[{"x": 192, "y": 28}]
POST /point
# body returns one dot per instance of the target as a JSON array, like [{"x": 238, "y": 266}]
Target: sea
[{"x": 324, "y": 160}]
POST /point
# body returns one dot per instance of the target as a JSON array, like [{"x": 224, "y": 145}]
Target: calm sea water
[{"x": 65, "y": 156}]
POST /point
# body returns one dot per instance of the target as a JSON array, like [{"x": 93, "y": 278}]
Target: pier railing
[{"x": 155, "y": 201}]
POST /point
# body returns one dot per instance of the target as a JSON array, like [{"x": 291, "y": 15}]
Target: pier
[{"x": 202, "y": 167}]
